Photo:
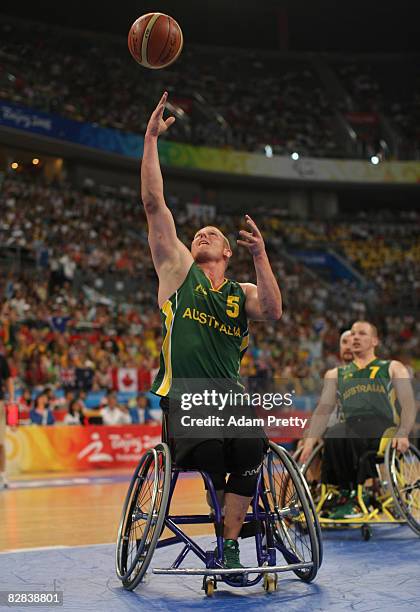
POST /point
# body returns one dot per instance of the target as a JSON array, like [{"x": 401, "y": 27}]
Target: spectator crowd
[
  {"x": 239, "y": 99},
  {"x": 61, "y": 330}
]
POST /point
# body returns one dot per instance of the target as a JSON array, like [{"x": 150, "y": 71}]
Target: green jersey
[
  {"x": 205, "y": 332},
  {"x": 367, "y": 391}
]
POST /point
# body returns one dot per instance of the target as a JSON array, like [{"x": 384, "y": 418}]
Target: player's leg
[
  {"x": 337, "y": 461},
  {"x": 338, "y": 472},
  {"x": 244, "y": 459},
  {"x": 362, "y": 442},
  {"x": 365, "y": 451},
  {"x": 209, "y": 457}
]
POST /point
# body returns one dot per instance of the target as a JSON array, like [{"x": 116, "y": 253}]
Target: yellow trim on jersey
[
  {"x": 211, "y": 284},
  {"x": 366, "y": 366},
  {"x": 166, "y": 349},
  {"x": 244, "y": 343},
  {"x": 220, "y": 286}
]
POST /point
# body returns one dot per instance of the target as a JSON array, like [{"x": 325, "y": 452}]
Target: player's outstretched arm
[
  {"x": 321, "y": 414},
  {"x": 402, "y": 384},
  {"x": 171, "y": 258},
  {"x": 263, "y": 300}
]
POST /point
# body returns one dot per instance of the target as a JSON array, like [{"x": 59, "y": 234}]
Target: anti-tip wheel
[
  {"x": 366, "y": 533},
  {"x": 270, "y": 583},
  {"x": 209, "y": 587}
]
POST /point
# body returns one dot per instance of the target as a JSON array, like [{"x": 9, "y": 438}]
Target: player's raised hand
[
  {"x": 157, "y": 124},
  {"x": 252, "y": 240}
]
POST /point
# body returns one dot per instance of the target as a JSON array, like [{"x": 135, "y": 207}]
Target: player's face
[
  {"x": 209, "y": 244},
  {"x": 363, "y": 338},
  {"x": 346, "y": 353}
]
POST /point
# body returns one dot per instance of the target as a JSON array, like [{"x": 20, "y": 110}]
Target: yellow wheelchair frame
[{"x": 389, "y": 507}]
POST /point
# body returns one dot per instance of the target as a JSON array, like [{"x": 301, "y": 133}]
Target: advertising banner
[
  {"x": 54, "y": 126},
  {"x": 63, "y": 448},
  {"x": 180, "y": 155}
]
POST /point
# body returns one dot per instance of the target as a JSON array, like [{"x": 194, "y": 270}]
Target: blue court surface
[{"x": 382, "y": 574}]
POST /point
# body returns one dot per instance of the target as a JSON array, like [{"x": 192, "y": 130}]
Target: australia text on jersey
[{"x": 205, "y": 319}]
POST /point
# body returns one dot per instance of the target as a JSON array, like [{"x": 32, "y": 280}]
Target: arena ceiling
[{"x": 297, "y": 25}]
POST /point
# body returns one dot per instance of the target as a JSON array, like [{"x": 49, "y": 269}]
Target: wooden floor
[{"x": 77, "y": 515}]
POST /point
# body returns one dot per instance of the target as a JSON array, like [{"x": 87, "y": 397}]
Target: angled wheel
[
  {"x": 403, "y": 471},
  {"x": 292, "y": 516},
  {"x": 143, "y": 515},
  {"x": 311, "y": 472}
]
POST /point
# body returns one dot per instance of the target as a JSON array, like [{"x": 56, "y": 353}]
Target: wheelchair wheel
[
  {"x": 293, "y": 517},
  {"x": 311, "y": 470},
  {"x": 312, "y": 481},
  {"x": 143, "y": 515},
  {"x": 403, "y": 471}
]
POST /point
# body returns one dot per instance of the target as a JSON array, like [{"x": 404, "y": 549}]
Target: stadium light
[
  {"x": 268, "y": 151},
  {"x": 35, "y": 161},
  {"x": 295, "y": 156},
  {"x": 14, "y": 165},
  {"x": 375, "y": 160}
]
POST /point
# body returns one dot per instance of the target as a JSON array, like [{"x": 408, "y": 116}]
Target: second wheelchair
[{"x": 394, "y": 495}]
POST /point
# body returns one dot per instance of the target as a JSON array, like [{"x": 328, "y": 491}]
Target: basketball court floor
[{"x": 58, "y": 533}]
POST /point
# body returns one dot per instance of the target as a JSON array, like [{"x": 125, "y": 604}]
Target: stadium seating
[
  {"x": 57, "y": 321},
  {"x": 241, "y": 99}
]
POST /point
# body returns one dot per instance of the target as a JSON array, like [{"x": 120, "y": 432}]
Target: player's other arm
[
  {"x": 321, "y": 414},
  {"x": 263, "y": 300},
  {"x": 401, "y": 381},
  {"x": 170, "y": 256}
]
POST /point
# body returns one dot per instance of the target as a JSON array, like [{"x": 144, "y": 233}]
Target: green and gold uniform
[
  {"x": 368, "y": 392},
  {"x": 205, "y": 333},
  {"x": 369, "y": 406}
]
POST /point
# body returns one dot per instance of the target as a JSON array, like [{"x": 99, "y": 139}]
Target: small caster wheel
[
  {"x": 270, "y": 583},
  {"x": 366, "y": 533},
  {"x": 209, "y": 586}
]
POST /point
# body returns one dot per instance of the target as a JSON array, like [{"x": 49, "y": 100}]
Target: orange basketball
[{"x": 155, "y": 40}]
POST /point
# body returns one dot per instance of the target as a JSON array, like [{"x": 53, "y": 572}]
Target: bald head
[
  {"x": 346, "y": 354},
  {"x": 345, "y": 334}
]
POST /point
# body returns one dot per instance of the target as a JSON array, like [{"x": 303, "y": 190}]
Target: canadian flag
[{"x": 130, "y": 379}]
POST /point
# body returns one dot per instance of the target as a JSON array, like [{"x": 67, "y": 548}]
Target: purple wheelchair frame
[{"x": 213, "y": 559}]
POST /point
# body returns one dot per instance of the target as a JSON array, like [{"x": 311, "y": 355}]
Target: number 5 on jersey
[{"x": 233, "y": 306}]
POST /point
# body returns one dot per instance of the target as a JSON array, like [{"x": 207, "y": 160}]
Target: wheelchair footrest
[{"x": 266, "y": 569}]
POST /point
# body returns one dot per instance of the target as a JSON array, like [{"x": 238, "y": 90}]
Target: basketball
[{"x": 155, "y": 40}]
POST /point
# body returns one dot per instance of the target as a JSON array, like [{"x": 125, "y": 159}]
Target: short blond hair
[
  {"x": 373, "y": 327},
  {"x": 220, "y": 232}
]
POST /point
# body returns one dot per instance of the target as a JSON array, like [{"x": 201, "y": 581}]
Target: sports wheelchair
[
  {"x": 282, "y": 520},
  {"x": 394, "y": 495}
]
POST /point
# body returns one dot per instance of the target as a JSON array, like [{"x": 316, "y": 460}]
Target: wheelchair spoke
[
  {"x": 294, "y": 534},
  {"x": 143, "y": 515},
  {"x": 404, "y": 479}
]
